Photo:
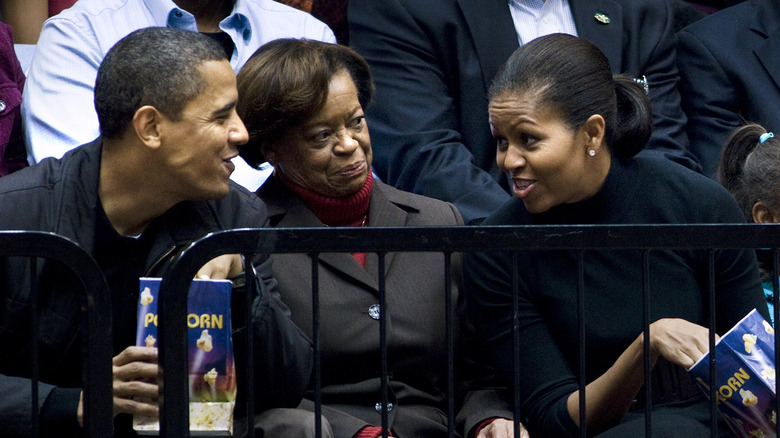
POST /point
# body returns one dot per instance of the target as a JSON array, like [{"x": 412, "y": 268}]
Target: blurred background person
[
  {"x": 12, "y": 153},
  {"x": 332, "y": 12},
  {"x": 728, "y": 75},
  {"x": 26, "y": 17}
]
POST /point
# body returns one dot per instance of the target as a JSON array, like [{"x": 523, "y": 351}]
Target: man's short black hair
[{"x": 154, "y": 66}]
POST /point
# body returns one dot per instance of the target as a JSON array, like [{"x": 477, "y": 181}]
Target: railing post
[
  {"x": 251, "y": 285},
  {"x": 712, "y": 363},
  {"x": 315, "y": 320},
  {"x": 383, "y": 343},
  {"x": 35, "y": 357},
  {"x": 517, "y": 377},
  {"x": 646, "y": 343},
  {"x": 581, "y": 333},
  {"x": 449, "y": 335}
]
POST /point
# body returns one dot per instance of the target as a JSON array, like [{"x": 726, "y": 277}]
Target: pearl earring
[{"x": 592, "y": 152}]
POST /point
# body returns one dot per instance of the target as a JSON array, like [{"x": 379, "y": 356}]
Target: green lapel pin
[{"x": 602, "y": 18}]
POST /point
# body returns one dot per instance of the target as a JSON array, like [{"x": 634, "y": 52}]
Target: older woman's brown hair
[{"x": 285, "y": 83}]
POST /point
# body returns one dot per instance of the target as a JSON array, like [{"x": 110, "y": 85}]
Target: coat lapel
[
  {"x": 607, "y": 36},
  {"x": 493, "y": 32},
  {"x": 767, "y": 25},
  {"x": 383, "y": 213},
  {"x": 287, "y": 211}
]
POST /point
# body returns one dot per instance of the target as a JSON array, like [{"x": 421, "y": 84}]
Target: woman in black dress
[{"x": 567, "y": 135}]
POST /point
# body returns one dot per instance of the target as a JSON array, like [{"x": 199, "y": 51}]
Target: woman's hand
[
  {"x": 501, "y": 428},
  {"x": 609, "y": 396},
  {"x": 224, "y": 266},
  {"x": 679, "y": 341}
]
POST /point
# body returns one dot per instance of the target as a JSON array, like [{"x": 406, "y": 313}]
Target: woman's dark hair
[
  {"x": 285, "y": 83},
  {"x": 750, "y": 170},
  {"x": 572, "y": 76}
]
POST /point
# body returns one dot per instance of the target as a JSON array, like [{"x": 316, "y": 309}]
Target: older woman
[
  {"x": 302, "y": 102},
  {"x": 567, "y": 135}
]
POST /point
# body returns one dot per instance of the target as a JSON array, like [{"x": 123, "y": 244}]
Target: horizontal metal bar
[{"x": 461, "y": 239}]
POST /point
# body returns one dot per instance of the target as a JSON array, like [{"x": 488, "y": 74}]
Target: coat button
[
  {"x": 2, "y": 106},
  {"x": 373, "y": 311},
  {"x": 378, "y": 407}
]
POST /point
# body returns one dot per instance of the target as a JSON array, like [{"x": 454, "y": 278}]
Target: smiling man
[{"x": 157, "y": 179}]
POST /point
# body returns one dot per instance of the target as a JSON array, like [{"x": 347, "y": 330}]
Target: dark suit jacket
[
  {"x": 350, "y": 335},
  {"x": 730, "y": 74},
  {"x": 433, "y": 61}
]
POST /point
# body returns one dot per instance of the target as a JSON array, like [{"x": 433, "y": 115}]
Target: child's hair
[{"x": 750, "y": 168}]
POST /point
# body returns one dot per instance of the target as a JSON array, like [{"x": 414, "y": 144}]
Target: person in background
[
  {"x": 26, "y": 17},
  {"x": 728, "y": 75},
  {"x": 332, "y": 12},
  {"x": 156, "y": 180},
  {"x": 433, "y": 61},
  {"x": 12, "y": 153},
  {"x": 57, "y": 106},
  {"x": 568, "y": 135},
  {"x": 750, "y": 169},
  {"x": 302, "y": 102}
]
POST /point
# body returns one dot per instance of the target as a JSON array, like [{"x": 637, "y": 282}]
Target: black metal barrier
[
  {"x": 97, "y": 373},
  {"x": 447, "y": 240}
]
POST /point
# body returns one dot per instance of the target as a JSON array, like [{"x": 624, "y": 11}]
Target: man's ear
[
  {"x": 594, "y": 129},
  {"x": 146, "y": 124},
  {"x": 762, "y": 214}
]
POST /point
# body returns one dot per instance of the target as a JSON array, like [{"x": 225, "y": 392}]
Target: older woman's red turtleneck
[{"x": 347, "y": 211}]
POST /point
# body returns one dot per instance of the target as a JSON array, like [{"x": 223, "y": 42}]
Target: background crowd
[{"x": 145, "y": 124}]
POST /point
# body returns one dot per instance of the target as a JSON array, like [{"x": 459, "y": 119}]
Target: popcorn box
[
  {"x": 745, "y": 377},
  {"x": 212, "y": 377}
]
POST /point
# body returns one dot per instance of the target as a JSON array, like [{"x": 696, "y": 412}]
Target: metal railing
[
  {"x": 446, "y": 240},
  {"x": 97, "y": 374}
]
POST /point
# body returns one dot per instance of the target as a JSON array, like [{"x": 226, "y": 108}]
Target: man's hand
[
  {"x": 135, "y": 382},
  {"x": 224, "y": 266},
  {"x": 501, "y": 428}
]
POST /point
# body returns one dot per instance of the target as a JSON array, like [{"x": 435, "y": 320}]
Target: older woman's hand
[
  {"x": 679, "y": 341},
  {"x": 224, "y": 266},
  {"x": 501, "y": 428}
]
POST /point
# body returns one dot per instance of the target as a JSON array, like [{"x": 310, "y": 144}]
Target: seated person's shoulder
[
  {"x": 717, "y": 25},
  {"x": 652, "y": 168},
  {"x": 242, "y": 208},
  {"x": 44, "y": 175},
  {"x": 428, "y": 211},
  {"x": 673, "y": 184}
]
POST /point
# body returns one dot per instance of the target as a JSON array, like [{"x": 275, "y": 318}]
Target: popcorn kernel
[{"x": 204, "y": 343}]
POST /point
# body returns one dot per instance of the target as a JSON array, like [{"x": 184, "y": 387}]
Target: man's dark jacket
[{"x": 61, "y": 196}]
